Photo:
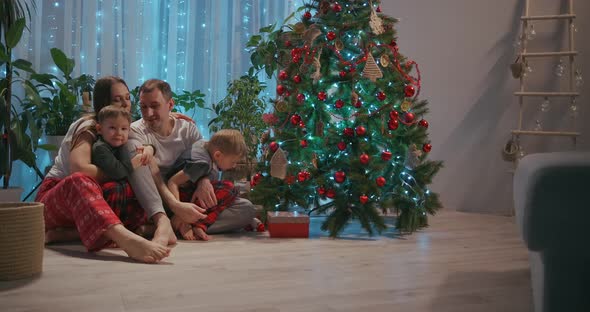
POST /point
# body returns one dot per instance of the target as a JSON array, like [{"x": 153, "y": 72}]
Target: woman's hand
[{"x": 182, "y": 116}]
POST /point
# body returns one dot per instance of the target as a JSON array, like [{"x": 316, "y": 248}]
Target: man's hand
[{"x": 204, "y": 195}]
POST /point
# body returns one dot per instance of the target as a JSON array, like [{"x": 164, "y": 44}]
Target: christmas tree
[{"x": 346, "y": 135}]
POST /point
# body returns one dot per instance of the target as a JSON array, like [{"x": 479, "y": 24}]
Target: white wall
[{"x": 464, "y": 48}]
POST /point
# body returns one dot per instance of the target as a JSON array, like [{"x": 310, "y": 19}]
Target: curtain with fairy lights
[{"x": 192, "y": 44}]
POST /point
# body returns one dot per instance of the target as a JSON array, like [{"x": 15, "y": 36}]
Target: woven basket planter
[{"x": 22, "y": 240}]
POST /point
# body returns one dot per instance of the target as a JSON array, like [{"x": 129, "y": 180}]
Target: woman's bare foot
[
  {"x": 164, "y": 235},
  {"x": 200, "y": 233},
  {"x": 61, "y": 235},
  {"x": 137, "y": 247}
]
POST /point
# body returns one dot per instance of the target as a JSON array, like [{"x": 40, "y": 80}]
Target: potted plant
[
  {"x": 242, "y": 109},
  {"x": 55, "y": 103},
  {"x": 19, "y": 136}
]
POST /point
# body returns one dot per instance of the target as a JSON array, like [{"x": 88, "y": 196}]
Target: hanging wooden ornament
[
  {"x": 406, "y": 105},
  {"x": 278, "y": 164},
  {"x": 371, "y": 69},
  {"x": 354, "y": 98},
  {"x": 319, "y": 129},
  {"x": 375, "y": 21},
  {"x": 413, "y": 157},
  {"x": 314, "y": 160},
  {"x": 311, "y": 34},
  {"x": 317, "y": 65},
  {"x": 384, "y": 60},
  {"x": 338, "y": 45}
]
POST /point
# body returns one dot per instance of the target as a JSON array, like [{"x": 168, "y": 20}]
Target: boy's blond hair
[
  {"x": 227, "y": 141},
  {"x": 112, "y": 111}
]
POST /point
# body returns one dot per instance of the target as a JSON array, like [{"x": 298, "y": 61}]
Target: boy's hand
[
  {"x": 204, "y": 194},
  {"x": 147, "y": 154}
]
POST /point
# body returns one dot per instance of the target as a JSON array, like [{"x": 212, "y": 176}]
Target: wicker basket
[{"x": 22, "y": 240}]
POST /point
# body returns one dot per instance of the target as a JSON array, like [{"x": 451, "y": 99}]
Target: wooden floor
[{"x": 463, "y": 262}]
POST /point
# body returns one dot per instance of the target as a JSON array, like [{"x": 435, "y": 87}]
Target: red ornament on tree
[
  {"x": 331, "y": 35},
  {"x": 300, "y": 97},
  {"x": 393, "y": 114},
  {"x": 342, "y": 74},
  {"x": 330, "y": 193},
  {"x": 255, "y": 179},
  {"x": 393, "y": 124},
  {"x": 348, "y": 132},
  {"x": 339, "y": 103},
  {"x": 381, "y": 96},
  {"x": 427, "y": 148},
  {"x": 321, "y": 191},
  {"x": 296, "y": 59},
  {"x": 363, "y": 199},
  {"x": 307, "y": 15},
  {"x": 358, "y": 104},
  {"x": 283, "y": 75},
  {"x": 290, "y": 179},
  {"x": 380, "y": 181},
  {"x": 301, "y": 176},
  {"x": 322, "y": 96},
  {"x": 360, "y": 130},
  {"x": 386, "y": 155},
  {"x": 339, "y": 176},
  {"x": 341, "y": 145},
  {"x": 295, "y": 119},
  {"x": 364, "y": 159},
  {"x": 393, "y": 43},
  {"x": 297, "y": 79},
  {"x": 409, "y": 91},
  {"x": 280, "y": 89},
  {"x": 423, "y": 123},
  {"x": 378, "y": 9},
  {"x": 274, "y": 146},
  {"x": 409, "y": 117},
  {"x": 287, "y": 43},
  {"x": 337, "y": 7},
  {"x": 303, "y": 143}
]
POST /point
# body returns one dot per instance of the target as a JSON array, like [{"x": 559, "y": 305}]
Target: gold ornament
[
  {"x": 384, "y": 60},
  {"x": 339, "y": 45},
  {"x": 406, "y": 105},
  {"x": 281, "y": 106},
  {"x": 371, "y": 69}
]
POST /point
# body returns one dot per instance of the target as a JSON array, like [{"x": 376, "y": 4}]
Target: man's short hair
[{"x": 152, "y": 84}]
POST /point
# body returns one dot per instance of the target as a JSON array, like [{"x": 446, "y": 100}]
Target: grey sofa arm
[
  {"x": 552, "y": 198},
  {"x": 552, "y": 205}
]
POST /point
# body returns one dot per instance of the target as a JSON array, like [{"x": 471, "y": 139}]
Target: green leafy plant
[
  {"x": 19, "y": 136},
  {"x": 242, "y": 109},
  {"x": 55, "y": 103}
]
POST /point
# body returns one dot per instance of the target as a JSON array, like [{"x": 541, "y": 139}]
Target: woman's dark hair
[{"x": 102, "y": 91}]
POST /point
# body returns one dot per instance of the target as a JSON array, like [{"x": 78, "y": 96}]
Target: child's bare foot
[
  {"x": 200, "y": 234},
  {"x": 183, "y": 228},
  {"x": 61, "y": 235},
  {"x": 137, "y": 247},
  {"x": 186, "y": 231}
]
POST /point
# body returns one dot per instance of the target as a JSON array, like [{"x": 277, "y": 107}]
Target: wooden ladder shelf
[{"x": 570, "y": 54}]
